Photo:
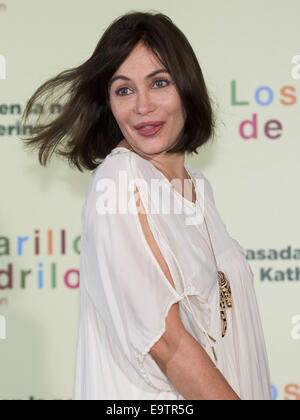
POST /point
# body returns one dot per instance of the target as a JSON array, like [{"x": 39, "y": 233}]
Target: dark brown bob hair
[{"x": 86, "y": 131}]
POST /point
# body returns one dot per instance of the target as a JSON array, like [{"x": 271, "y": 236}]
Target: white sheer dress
[{"x": 125, "y": 296}]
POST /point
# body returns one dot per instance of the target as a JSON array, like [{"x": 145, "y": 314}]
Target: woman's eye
[
  {"x": 162, "y": 80},
  {"x": 118, "y": 92}
]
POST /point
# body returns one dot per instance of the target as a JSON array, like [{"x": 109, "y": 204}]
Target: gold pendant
[{"x": 225, "y": 299}]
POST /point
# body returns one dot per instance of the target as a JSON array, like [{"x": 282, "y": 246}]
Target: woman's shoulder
[
  {"x": 108, "y": 172},
  {"x": 112, "y": 164}
]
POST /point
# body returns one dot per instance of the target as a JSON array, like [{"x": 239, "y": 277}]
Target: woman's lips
[{"x": 150, "y": 131}]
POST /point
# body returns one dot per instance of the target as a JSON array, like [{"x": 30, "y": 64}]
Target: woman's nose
[{"x": 144, "y": 103}]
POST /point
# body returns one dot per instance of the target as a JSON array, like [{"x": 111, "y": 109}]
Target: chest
[{"x": 187, "y": 249}]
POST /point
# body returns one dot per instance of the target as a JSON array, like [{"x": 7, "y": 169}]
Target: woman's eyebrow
[{"x": 127, "y": 78}]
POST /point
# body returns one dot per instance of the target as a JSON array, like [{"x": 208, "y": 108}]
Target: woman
[{"x": 152, "y": 282}]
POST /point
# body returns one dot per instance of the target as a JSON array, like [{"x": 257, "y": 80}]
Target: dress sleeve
[{"x": 127, "y": 285}]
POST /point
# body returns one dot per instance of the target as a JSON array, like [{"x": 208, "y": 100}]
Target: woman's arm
[{"x": 187, "y": 365}]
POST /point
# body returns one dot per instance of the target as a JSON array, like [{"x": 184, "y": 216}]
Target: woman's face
[{"x": 143, "y": 99}]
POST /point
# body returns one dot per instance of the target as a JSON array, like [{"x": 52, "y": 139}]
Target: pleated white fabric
[{"x": 125, "y": 296}]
